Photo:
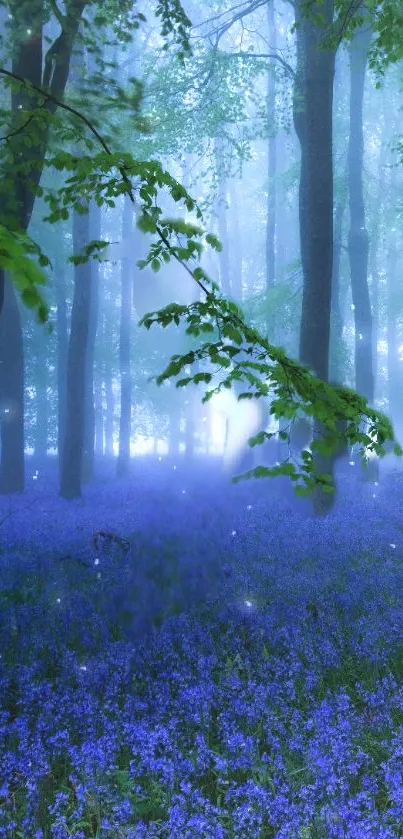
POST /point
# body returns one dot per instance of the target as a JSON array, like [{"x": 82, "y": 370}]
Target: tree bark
[
  {"x": 12, "y": 395},
  {"x": 312, "y": 112},
  {"x": 41, "y": 399},
  {"x": 71, "y": 464},
  {"x": 123, "y": 461},
  {"x": 336, "y": 329},
  {"x": 110, "y": 413},
  {"x": 358, "y": 242},
  {"x": 17, "y": 196},
  {"x": 62, "y": 345},
  {"x": 89, "y": 407},
  {"x": 272, "y": 159},
  {"x": 99, "y": 416}
]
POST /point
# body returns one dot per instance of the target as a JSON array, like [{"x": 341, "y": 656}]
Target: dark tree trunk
[
  {"x": 17, "y": 204},
  {"x": 375, "y": 243},
  {"x": 41, "y": 400},
  {"x": 89, "y": 421},
  {"x": 313, "y": 124},
  {"x": 358, "y": 244},
  {"x": 394, "y": 365},
  {"x": 313, "y": 99},
  {"x": 62, "y": 344},
  {"x": 123, "y": 461},
  {"x": 336, "y": 334},
  {"x": 12, "y": 395},
  {"x": 72, "y": 454}
]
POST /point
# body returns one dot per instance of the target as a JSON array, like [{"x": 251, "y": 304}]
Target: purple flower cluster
[{"x": 236, "y": 675}]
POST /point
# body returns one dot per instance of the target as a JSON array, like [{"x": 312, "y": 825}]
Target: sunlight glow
[{"x": 243, "y": 418}]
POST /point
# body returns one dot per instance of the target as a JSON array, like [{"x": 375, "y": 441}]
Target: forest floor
[{"x": 186, "y": 658}]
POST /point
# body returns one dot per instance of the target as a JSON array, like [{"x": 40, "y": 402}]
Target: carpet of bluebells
[{"x": 189, "y": 659}]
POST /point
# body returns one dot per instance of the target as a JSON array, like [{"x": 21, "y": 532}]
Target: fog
[{"x": 201, "y": 397}]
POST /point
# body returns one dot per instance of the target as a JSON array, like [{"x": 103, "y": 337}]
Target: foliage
[
  {"x": 265, "y": 369},
  {"x": 16, "y": 252}
]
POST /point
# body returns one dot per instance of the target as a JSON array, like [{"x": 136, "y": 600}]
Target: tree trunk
[
  {"x": 41, "y": 399},
  {"x": 62, "y": 345},
  {"x": 375, "y": 243},
  {"x": 336, "y": 329},
  {"x": 394, "y": 364},
  {"x": 12, "y": 395},
  {"x": 72, "y": 454},
  {"x": 272, "y": 159},
  {"x": 221, "y": 209},
  {"x": 89, "y": 420},
  {"x": 17, "y": 204},
  {"x": 99, "y": 416},
  {"x": 109, "y": 415},
  {"x": 358, "y": 245},
  {"x": 123, "y": 461},
  {"x": 313, "y": 99}
]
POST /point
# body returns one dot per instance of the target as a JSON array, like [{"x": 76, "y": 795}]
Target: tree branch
[{"x": 272, "y": 55}]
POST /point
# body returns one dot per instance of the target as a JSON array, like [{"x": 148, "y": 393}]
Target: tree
[
  {"x": 358, "y": 240},
  {"x": 34, "y": 101},
  {"x": 233, "y": 345}
]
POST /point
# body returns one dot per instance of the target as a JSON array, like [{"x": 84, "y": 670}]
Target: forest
[{"x": 201, "y": 419}]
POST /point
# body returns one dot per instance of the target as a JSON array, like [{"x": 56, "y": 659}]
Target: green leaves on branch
[
  {"x": 17, "y": 252},
  {"x": 103, "y": 177},
  {"x": 175, "y": 25},
  {"x": 94, "y": 249},
  {"x": 247, "y": 358}
]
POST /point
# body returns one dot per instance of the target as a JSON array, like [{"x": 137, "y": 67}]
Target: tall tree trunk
[
  {"x": 89, "y": 408},
  {"x": 336, "y": 330},
  {"x": 272, "y": 158},
  {"x": 123, "y": 461},
  {"x": 72, "y": 453},
  {"x": 17, "y": 204},
  {"x": 394, "y": 364},
  {"x": 41, "y": 399},
  {"x": 376, "y": 241},
  {"x": 313, "y": 100},
  {"x": 110, "y": 412},
  {"x": 62, "y": 346},
  {"x": 12, "y": 395},
  {"x": 358, "y": 243},
  {"x": 99, "y": 416},
  {"x": 313, "y": 123}
]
